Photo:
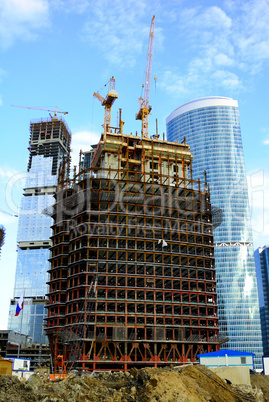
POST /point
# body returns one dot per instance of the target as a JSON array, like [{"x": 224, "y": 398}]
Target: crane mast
[
  {"x": 107, "y": 102},
  {"x": 145, "y": 108}
]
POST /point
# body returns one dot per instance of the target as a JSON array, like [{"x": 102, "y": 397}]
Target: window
[
  {"x": 153, "y": 165},
  {"x": 243, "y": 360}
]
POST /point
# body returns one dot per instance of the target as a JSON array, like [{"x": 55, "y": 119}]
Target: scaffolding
[{"x": 138, "y": 220}]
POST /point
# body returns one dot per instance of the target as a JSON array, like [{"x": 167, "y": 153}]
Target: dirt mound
[
  {"x": 189, "y": 384},
  {"x": 12, "y": 389},
  {"x": 259, "y": 381}
]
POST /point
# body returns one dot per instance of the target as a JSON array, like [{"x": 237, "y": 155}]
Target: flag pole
[
  {"x": 20, "y": 335},
  {"x": 19, "y": 347}
]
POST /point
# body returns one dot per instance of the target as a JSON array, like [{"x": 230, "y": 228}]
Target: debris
[{"x": 187, "y": 384}]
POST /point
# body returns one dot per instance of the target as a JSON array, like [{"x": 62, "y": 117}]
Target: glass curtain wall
[
  {"x": 49, "y": 146},
  {"x": 211, "y": 127},
  {"x": 33, "y": 252},
  {"x": 262, "y": 269}
]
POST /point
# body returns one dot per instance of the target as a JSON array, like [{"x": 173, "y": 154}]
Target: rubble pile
[
  {"x": 261, "y": 382},
  {"x": 189, "y": 384}
]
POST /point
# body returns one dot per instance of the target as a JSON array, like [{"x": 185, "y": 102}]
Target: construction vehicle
[
  {"x": 107, "y": 102},
  {"x": 145, "y": 108}
]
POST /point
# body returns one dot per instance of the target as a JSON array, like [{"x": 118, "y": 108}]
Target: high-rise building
[
  {"x": 132, "y": 279},
  {"x": 262, "y": 270},
  {"x": 49, "y": 145},
  {"x": 212, "y": 129}
]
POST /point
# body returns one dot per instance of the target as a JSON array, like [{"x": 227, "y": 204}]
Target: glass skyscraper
[
  {"x": 49, "y": 145},
  {"x": 212, "y": 129},
  {"x": 262, "y": 269}
]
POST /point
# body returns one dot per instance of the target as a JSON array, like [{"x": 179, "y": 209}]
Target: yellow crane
[
  {"x": 145, "y": 108},
  {"x": 107, "y": 102}
]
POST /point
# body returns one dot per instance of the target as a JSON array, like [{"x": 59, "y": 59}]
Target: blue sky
[{"x": 58, "y": 52}]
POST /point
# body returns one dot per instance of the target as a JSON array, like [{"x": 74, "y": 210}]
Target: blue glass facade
[
  {"x": 49, "y": 143},
  {"x": 211, "y": 127},
  {"x": 262, "y": 269},
  {"x": 32, "y": 260}
]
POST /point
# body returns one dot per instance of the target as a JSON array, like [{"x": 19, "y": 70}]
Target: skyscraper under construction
[
  {"x": 48, "y": 146},
  {"x": 132, "y": 279}
]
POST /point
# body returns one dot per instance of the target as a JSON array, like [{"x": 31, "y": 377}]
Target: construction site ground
[{"x": 189, "y": 384}]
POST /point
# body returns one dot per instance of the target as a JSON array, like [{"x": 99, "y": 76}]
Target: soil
[
  {"x": 261, "y": 382},
  {"x": 187, "y": 384}
]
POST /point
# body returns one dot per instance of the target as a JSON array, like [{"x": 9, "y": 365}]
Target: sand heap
[{"x": 189, "y": 384}]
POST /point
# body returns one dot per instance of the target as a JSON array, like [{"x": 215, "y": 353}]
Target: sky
[{"x": 57, "y": 53}]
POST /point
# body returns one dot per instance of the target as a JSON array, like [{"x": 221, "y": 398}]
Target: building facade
[
  {"x": 262, "y": 270},
  {"x": 211, "y": 127},
  {"x": 132, "y": 280},
  {"x": 49, "y": 144}
]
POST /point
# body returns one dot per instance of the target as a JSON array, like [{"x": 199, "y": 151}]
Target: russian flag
[{"x": 19, "y": 305}]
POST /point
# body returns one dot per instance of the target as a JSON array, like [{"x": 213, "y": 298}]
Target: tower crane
[
  {"x": 145, "y": 108},
  {"x": 107, "y": 102},
  {"x": 55, "y": 111}
]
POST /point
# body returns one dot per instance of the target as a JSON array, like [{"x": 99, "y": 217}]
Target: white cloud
[
  {"x": 229, "y": 41},
  {"x": 21, "y": 19},
  {"x": 223, "y": 60},
  {"x": 228, "y": 79},
  {"x": 244, "y": 32},
  {"x": 266, "y": 142},
  {"x": 251, "y": 34},
  {"x": 200, "y": 75},
  {"x": 211, "y": 18},
  {"x": 173, "y": 83},
  {"x": 71, "y": 6},
  {"x": 7, "y": 173},
  {"x": 119, "y": 29},
  {"x": 82, "y": 140}
]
